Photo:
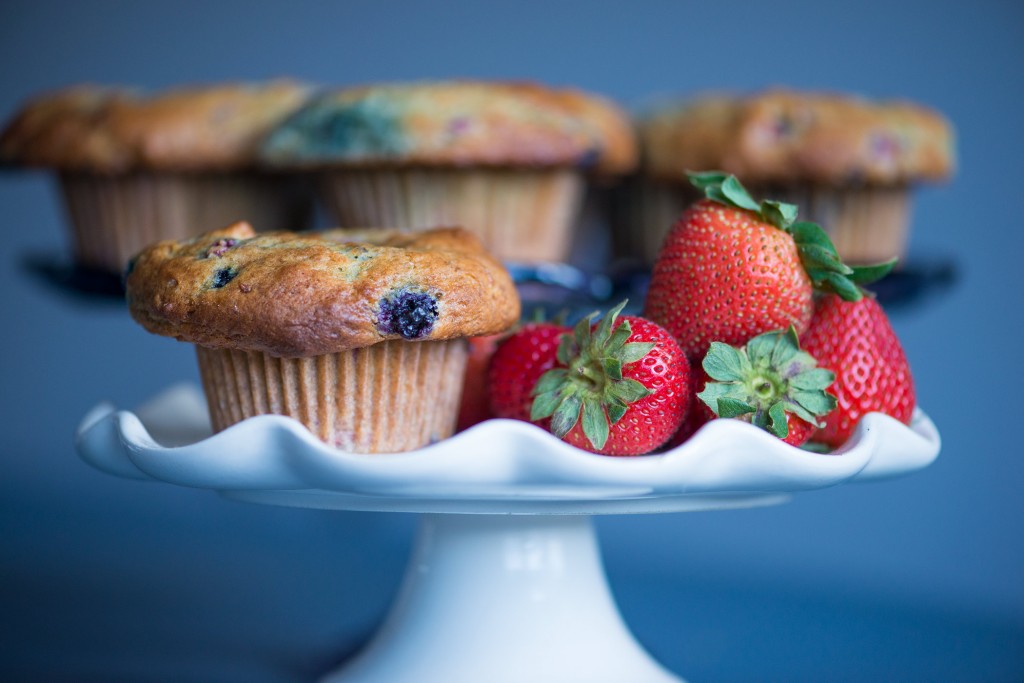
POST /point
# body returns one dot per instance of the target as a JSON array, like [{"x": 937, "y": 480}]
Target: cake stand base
[{"x": 504, "y": 598}]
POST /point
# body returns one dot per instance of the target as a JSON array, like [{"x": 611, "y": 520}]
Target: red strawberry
[
  {"x": 517, "y": 364},
  {"x": 799, "y": 431},
  {"x": 732, "y": 268},
  {"x": 856, "y": 341},
  {"x": 629, "y": 382},
  {"x": 769, "y": 382},
  {"x": 475, "y": 407}
]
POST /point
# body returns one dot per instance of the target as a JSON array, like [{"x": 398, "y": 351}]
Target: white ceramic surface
[
  {"x": 504, "y": 599},
  {"x": 499, "y": 466},
  {"x": 492, "y": 596}
]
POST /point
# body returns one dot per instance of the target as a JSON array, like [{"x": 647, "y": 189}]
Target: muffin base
[
  {"x": 642, "y": 213},
  {"x": 113, "y": 217},
  {"x": 519, "y": 215},
  {"x": 389, "y": 397}
]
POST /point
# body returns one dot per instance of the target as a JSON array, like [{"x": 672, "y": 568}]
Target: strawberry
[
  {"x": 474, "y": 406},
  {"x": 770, "y": 383},
  {"x": 625, "y": 377},
  {"x": 517, "y": 364},
  {"x": 799, "y": 431},
  {"x": 732, "y": 268},
  {"x": 856, "y": 341}
]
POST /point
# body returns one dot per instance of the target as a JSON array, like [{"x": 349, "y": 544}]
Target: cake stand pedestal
[
  {"x": 504, "y": 598},
  {"x": 505, "y": 582}
]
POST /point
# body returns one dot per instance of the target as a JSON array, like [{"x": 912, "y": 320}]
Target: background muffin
[
  {"x": 506, "y": 160},
  {"x": 358, "y": 335},
  {"x": 849, "y": 163},
  {"x": 136, "y": 168}
]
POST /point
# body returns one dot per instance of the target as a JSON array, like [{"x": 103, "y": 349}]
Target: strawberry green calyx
[
  {"x": 765, "y": 380},
  {"x": 827, "y": 271},
  {"x": 818, "y": 254},
  {"x": 589, "y": 379},
  {"x": 725, "y": 188}
]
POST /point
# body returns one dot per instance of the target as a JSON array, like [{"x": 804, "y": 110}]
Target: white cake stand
[{"x": 506, "y": 582}]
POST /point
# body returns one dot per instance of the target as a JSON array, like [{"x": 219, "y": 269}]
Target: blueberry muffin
[
  {"x": 848, "y": 162},
  {"x": 505, "y": 160},
  {"x": 359, "y": 335},
  {"x": 134, "y": 168}
]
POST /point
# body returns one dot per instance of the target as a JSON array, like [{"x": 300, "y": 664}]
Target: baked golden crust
[
  {"x": 307, "y": 294},
  {"x": 785, "y": 136},
  {"x": 459, "y": 123},
  {"x": 55, "y": 128},
  {"x": 114, "y": 130}
]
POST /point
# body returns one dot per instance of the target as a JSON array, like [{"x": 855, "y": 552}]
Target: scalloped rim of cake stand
[{"x": 498, "y": 466}]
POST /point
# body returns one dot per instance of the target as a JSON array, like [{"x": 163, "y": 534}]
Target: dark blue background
[{"x": 916, "y": 579}]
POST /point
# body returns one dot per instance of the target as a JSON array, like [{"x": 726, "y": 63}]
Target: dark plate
[
  {"x": 60, "y": 274},
  {"x": 550, "y": 287}
]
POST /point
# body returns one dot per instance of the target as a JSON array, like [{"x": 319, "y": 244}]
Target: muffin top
[
  {"x": 785, "y": 136},
  {"x": 307, "y": 294},
  {"x": 113, "y": 130},
  {"x": 460, "y": 123}
]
